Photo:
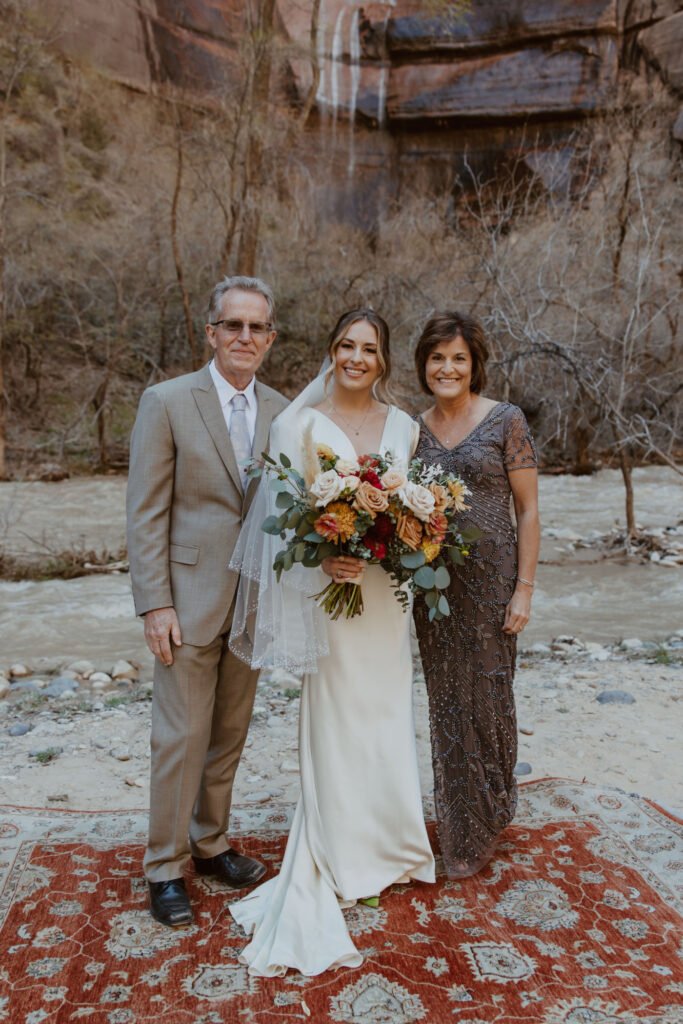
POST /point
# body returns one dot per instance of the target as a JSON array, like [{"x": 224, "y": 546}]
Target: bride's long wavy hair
[{"x": 380, "y": 388}]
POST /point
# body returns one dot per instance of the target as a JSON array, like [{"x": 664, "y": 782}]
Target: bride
[{"x": 358, "y": 825}]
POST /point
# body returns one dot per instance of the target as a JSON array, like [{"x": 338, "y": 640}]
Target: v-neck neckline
[
  {"x": 343, "y": 432},
  {"x": 467, "y": 436}
]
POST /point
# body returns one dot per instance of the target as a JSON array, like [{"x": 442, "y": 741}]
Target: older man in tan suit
[{"x": 187, "y": 497}]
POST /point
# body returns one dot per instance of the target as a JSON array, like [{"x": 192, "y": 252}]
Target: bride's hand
[{"x": 343, "y": 567}]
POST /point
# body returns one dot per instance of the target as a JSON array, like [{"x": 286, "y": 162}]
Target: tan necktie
[{"x": 239, "y": 435}]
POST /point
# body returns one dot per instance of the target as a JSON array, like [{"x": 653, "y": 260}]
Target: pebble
[
  {"x": 19, "y": 671},
  {"x": 99, "y": 677},
  {"x": 615, "y": 697},
  {"x": 259, "y": 709},
  {"x": 134, "y": 782},
  {"x": 586, "y": 675},
  {"x": 124, "y": 670},
  {"x": 28, "y": 685},
  {"x": 59, "y": 686},
  {"x": 258, "y": 797},
  {"x": 540, "y": 649},
  {"x": 58, "y": 798},
  {"x": 526, "y": 730},
  {"x": 289, "y": 766},
  {"x": 100, "y": 742},
  {"x": 120, "y": 753},
  {"x": 632, "y": 644},
  {"x": 19, "y": 729},
  {"x": 275, "y": 722},
  {"x": 522, "y": 768}
]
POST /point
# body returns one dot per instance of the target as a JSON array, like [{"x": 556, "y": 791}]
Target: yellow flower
[
  {"x": 325, "y": 453},
  {"x": 346, "y": 519},
  {"x": 458, "y": 492},
  {"x": 430, "y": 549}
]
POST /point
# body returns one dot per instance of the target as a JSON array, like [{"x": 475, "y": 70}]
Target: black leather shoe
[
  {"x": 169, "y": 903},
  {"x": 231, "y": 868}
]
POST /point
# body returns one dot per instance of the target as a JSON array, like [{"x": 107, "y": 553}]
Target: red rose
[
  {"x": 367, "y": 462},
  {"x": 371, "y": 477},
  {"x": 376, "y": 546}
]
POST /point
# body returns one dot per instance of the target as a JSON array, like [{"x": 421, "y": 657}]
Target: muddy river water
[{"x": 600, "y": 600}]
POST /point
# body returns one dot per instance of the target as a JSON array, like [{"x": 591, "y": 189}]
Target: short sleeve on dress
[{"x": 519, "y": 447}]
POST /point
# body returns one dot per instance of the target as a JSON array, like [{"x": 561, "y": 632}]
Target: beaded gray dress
[{"x": 468, "y": 661}]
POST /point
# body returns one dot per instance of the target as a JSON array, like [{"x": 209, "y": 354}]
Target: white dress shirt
[{"x": 225, "y": 392}]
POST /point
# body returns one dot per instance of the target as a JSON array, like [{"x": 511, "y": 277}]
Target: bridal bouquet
[{"x": 370, "y": 508}]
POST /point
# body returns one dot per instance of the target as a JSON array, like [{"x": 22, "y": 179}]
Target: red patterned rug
[{"x": 577, "y": 920}]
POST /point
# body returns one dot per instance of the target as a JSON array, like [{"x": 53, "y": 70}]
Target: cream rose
[
  {"x": 442, "y": 498},
  {"x": 327, "y": 487},
  {"x": 419, "y": 500},
  {"x": 346, "y": 467},
  {"x": 370, "y": 499},
  {"x": 350, "y": 484},
  {"x": 393, "y": 480}
]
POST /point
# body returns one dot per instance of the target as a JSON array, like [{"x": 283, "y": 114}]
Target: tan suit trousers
[{"x": 201, "y": 711}]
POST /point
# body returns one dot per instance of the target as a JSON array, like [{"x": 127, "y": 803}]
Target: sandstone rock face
[
  {"x": 399, "y": 90},
  {"x": 663, "y": 44}
]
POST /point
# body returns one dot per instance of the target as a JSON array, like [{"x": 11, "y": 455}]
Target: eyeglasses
[{"x": 257, "y": 328}]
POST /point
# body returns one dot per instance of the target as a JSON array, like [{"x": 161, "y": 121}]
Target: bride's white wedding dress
[{"x": 358, "y": 825}]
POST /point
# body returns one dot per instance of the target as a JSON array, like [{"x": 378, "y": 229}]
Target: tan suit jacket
[{"x": 185, "y": 504}]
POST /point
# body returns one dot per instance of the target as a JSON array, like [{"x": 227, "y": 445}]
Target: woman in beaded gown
[
  {"x": 358, "y": 826},
  {"x": 469, "y": 657}
]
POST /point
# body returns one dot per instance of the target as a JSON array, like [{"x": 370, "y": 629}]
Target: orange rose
[
  {"x": 327, "y": 526},
  {"x": 442, "y": 498},
  {"x": 409, "y": 530},
  {"x": 369, "y": 499},
  {"x": 437, "y": 526}
]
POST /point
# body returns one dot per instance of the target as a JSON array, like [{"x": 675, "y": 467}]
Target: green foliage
[{"x": 45, "y": 756}]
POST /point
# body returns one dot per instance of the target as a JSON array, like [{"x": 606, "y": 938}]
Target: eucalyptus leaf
[
  {"x": 431, "y": 598},
  {"x": 325, "y": 550},
  {"x": 443, "y": 606},
  {"x": 302, "y": 528},
  {"x": 455, "y": 556},
  {"x": 294, "y": 519},
  {"x": 266, "y": 458},
  {"x": 282, "y": 520},
  {"x": 432, "y": 613},
  {"x": 441, "y": 578},
  {"x": 269, "y": 525},
  {"x": 278, "y": 485},
  {"x": 285, "y": 460},
  {"x": 424, "y": 577},
  {"x": 284, "y": 500},
  {"x": 288, "y": 561},
  {"x": 313, "y": 538},
  {"x": 413, "y": 560},
  {"x": 470, "y": 533},
  {"x": 299, "y": 552}
]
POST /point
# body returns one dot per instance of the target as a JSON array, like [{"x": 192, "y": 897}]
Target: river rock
[
  {"x": 4, "y": 686},
  {"x": 99, "y": 677},
  {"x": 120, "y": 753},
  {"x": 82, "y": 668},
  {"x": 260, "y": 796},
  {"x": 124, "y": 670},
  {"x": 26, "y": 685},
  {"x": 632, "y": 644},
  {"x": 526, "y": 730},
  {"x": 522, "y": 768},
  {"x": 18, "y": 671},
  {"x": 289, "y": 766},
  {"x": 615, "y": 697},
  {"x": 59, "y": 686},
  {"x": 139, "y": 783},
  {"x": 19, "y": 729},
  {"x": 539, "y": 648}
]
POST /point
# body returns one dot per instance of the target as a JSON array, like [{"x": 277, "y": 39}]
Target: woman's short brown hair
[
  {"x": 445, "y": 326},
  {"x": 338, "y": 333}
]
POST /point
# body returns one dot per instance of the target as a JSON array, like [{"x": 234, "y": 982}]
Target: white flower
[
  {"x": 350, "y": 484},
  {"x": 346, "y": 467},
  {"x": 418, "y": 499},
  {"x": 327, "y": 487},
  {"x": 394, "y": 479}
]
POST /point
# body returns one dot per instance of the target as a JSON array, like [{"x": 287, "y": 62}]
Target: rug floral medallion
[{"x": 577, "y": 920}]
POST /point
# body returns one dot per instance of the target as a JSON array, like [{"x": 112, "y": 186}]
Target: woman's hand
[
  {"x": 343, "y": 567},
  {"x": 518, "y": 610}
]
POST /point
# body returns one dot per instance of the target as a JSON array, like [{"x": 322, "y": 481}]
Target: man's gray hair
[{"x": 245, "y": 284}]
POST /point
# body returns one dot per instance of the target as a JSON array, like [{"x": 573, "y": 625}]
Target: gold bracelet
[{"x": 529, "y": 583}]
